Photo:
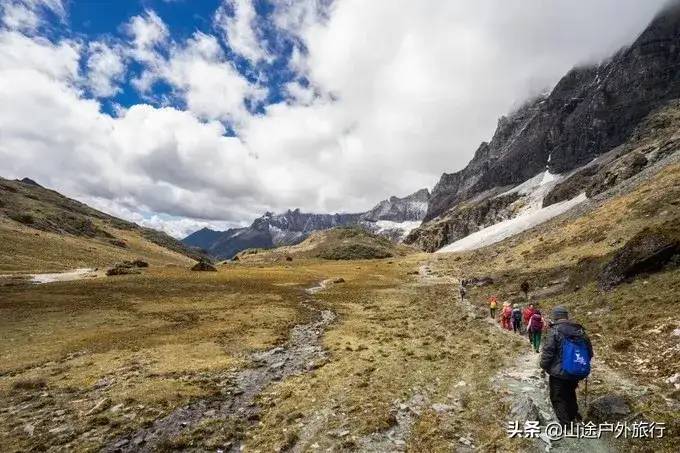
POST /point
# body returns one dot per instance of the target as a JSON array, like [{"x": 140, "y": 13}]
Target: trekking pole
[{"x": 586, "y": 395}]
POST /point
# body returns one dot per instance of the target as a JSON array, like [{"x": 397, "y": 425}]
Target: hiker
[
  {"x": 526, "y": 316},
  {"x": 516, "y": 319},
  {"x": 506, "y": 315},
  {"x": 535, "y": 330},
  {"x": 493, "y": 303},
  {"x": 462, "y": 290},
  {"x": 566, "y": 357}
]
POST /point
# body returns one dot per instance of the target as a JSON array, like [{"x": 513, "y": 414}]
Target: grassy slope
[
  {"x": 344, "y": 243},
  {"x": 42, "y": 231}
]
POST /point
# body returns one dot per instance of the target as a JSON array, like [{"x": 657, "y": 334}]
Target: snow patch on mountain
[{"x": 502, "y": 230}]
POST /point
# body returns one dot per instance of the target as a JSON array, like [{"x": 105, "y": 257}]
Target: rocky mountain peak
[{"x": 591, "y": 110}]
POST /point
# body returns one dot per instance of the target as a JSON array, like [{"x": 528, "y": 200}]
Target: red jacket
[{"x": 528, "y": 312}]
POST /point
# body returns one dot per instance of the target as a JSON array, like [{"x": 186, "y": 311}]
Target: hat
[{"x": 560, "y": 312}]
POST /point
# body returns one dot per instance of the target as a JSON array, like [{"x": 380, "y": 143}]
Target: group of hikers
[
  {"x": 522, "y": 321},
  {"x": 565, "y": 356}
]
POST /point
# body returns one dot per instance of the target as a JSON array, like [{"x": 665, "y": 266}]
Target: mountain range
[{"x": 393, "y": 218}]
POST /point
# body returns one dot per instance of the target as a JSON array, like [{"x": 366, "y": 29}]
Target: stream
[{"x": 302, "y": 353}]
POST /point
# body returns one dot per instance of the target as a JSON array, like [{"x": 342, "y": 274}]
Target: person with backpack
[
  {"x": 526, "y": 316},
  {"x": 535, "y": 330},
  {"x": 493, "y": 303},
  {"x": 516, "y": 319},
  {"x": 506, "y": 315},
  {"x": 566, "y": 357}
]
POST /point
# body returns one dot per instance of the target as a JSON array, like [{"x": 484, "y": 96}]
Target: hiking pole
[{"x": 586, "y": 395}]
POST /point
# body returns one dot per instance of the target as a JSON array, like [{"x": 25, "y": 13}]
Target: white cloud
[
  {"x": 56, "y": 61},
  {"x": 197, "y": 70},
  {"x": 148, "y": 33},
  {"x": 398, "y": 93},
  {"x": 211, "y": 86},
  {"x": 26, "y": 15},
  {"x": 105, "y": 69},
  {"x": 238, "y": 29}
]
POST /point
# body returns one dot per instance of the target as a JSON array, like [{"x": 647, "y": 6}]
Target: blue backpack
[{"x": 575, "y": 357}]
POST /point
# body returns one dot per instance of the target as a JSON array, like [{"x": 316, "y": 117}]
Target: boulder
[
  {"x": 648, "y": 251},
  {"x": 122, "y": 269},
  {"x": 479, "y": 281},
  {"x": 608, "y": 408},
  {"x": 204, "y": 266},
  {"x": 524, "y": 409}
]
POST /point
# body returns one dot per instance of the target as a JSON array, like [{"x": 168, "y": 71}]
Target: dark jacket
[{"x": 551, "y": 355}]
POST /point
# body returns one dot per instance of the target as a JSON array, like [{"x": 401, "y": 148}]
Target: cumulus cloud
[
  {"x": 105, "y": 69},
  {"x": 387, "y": 96},
  {"x": 196, "y": 69},
  {"x": 26, "y": 15},
  {"x": 236, "y": 19}
]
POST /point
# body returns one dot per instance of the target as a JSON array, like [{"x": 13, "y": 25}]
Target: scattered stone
[
  {"x": 117, "y": 407},
  {"x": 102, "y": 405},
  {"x": 121, "y": 443},
  {"x": 608, "y": 408},
  {"x": 525, "y": 409},
  {"x": 479, "y": 281},
  {"x": 339, "y": 280},
  {"x": 204, "y": 266},
  {"x": 28, "y": 429},
  {"x": 442, "y": 408},
  {"x": 122, "y": 269},
  {"x": 118, "y": 243},
  {"x": 103, "y": 382},
  {"x": 674, "y": 380}
]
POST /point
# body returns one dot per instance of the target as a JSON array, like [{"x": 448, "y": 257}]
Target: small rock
[
  {"x": 102, "y": 405},
  {"x": 117, "y": 407},
  {"x": 121, "y": 443},
  {"x": 525, "y": 409},
  {"x": 60, "y": 412},
  {"x": 28, "y": 429},
  {"x": 675, "y": 380},
  {"x": 464, "y": 441},
  {"x": 442, "y": 408},
  {"x": 608, "y": 408},
  {"x": 103, "y": 382},
  {"x": 339, "y": 280}
]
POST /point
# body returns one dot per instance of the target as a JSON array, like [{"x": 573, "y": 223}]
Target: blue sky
[
  {"x": 105, "y": 20},
  {"x": 181, "y": 114}
]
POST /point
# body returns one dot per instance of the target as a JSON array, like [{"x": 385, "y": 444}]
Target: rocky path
[
  {"x": 525, "y": 386},
  {"x": 303, "y": 352},
  {"x": 527, "y": 391}
]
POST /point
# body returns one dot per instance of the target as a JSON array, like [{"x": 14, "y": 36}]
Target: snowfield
[{"x": 502, "y": 230}]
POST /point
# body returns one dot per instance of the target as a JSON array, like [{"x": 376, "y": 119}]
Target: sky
[{"x": 180, "y": 114}]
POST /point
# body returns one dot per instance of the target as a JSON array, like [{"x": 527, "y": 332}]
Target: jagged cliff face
[
  {"x": 410, "y": 208},
  {"x": 590, "y": 111}
]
